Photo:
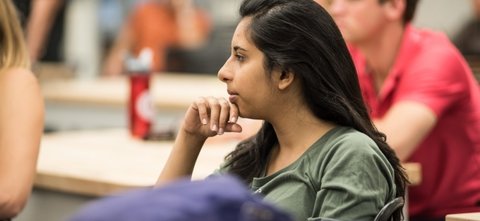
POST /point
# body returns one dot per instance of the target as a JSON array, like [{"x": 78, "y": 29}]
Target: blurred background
[
  {"x": 90, "y": 28},
  {"x": 84, "y": 32}
]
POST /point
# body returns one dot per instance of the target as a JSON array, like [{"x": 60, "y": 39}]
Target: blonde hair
[{"x": 13, "y": 50}]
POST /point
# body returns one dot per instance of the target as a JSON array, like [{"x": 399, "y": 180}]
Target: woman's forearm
[{"x": 182, "y": 159}]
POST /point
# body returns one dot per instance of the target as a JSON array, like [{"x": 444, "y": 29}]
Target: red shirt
[
  {"x": 155, "y": 26},
  {"x": 429, "y": 70}
]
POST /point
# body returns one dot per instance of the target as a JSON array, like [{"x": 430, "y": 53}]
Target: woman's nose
[{"x": 224, "y": 73}]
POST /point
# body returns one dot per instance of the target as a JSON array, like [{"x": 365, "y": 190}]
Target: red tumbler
[{"x": 140, "y": 105}]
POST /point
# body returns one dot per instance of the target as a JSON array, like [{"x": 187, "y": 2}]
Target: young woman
[
  {"x": 317, "y": 154},
  {"x": 21, "y": 116}
]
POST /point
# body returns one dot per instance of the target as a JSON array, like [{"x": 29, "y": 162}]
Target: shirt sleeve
[
  {"x": 357, "y": 182},
  {"x": 439, "y": 81}
]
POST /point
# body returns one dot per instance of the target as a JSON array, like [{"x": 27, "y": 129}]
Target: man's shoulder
[
  {"x": 429, "y": 42},
  {"x": 426, "y": 48}
]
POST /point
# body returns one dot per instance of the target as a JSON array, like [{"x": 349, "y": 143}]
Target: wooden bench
[{"x": 463, "y": 217}]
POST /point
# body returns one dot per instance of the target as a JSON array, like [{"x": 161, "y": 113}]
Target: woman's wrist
[{"x": 192, "y": 140}]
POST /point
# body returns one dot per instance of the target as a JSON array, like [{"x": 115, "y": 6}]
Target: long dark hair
[{"x": 300, "y": 36}]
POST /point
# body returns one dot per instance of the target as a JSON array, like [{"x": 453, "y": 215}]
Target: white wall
[
  {"x": 443, "y": 15},
  {"x": 82, "y": 40}
]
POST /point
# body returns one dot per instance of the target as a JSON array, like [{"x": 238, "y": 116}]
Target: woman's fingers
[
  {"x": 202, "y": 107},
  {"x": 224, "y": 115},
  {"x": 233, "y": 113},
  {"x": 215, "y": 109},
  {"x": 217, "y": 114}
]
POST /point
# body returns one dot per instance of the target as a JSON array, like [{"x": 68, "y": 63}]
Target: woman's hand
[{"x": 210, "y": 116}]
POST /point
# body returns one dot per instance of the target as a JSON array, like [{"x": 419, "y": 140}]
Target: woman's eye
[{"x": 240, "y": 57}]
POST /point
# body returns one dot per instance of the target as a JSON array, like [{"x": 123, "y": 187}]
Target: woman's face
[{"x": 248, "y": 84}]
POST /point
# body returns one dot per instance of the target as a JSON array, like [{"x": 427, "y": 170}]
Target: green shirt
[{"x": 343, "y": 175}]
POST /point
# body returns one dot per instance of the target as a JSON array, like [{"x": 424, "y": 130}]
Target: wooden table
[
  {"x": 463, "y": 217},
  {"x": 414, "y": 173},
  {"x": 73, "y": 104},
  {"x": 101, "y": 162},
  {"x": 77, "y": 167},
  {"x": 169, "y": 90}
]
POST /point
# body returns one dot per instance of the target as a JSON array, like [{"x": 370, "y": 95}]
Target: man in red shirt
[
  {"x": 423, "y": 96},
  {"x": 158, "y": 25}
]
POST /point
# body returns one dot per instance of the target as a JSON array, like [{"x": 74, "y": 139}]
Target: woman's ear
[
  {"x": 394, "y": 9},
  {"x": 285, "y": 79}
]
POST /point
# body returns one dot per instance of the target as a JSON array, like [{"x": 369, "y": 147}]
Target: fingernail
[
  {"x": 233, "y": 119},
  {"x": 204, "y": 121},
  {"x": 220, "y": 131},
  {"x": 214, "y": 127}
]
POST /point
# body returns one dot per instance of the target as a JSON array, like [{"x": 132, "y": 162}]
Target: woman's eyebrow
[{"x": 238, "y": 48}]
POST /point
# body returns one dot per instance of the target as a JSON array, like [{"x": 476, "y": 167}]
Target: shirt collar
[{"x": 409, "y": 46}]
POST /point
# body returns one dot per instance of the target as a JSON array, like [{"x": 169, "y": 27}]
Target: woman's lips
[{"x": 233, "y": 96}]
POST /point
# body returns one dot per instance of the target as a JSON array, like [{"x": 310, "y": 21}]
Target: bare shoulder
[
  {"x": 19, "y": 84},
  {"x": 15, "y": 74},
  {"x": 20, "y": 78}
]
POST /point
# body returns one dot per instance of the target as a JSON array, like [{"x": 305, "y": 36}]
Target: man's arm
[
  {"x": 113, "y": 64},
  {"x": 39, "y": 23},
  {"x": 406, "y": 125}
]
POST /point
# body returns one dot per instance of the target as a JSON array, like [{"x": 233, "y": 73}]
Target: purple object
[{"x": 218, "y": 198}]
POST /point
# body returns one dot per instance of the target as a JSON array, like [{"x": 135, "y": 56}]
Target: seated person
[
  {"x": 422, "y": 95},
  {"x": 44, "y": 22},
  {"x": 158, "y": 25},
  {"x": 317, "y": 155}
]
